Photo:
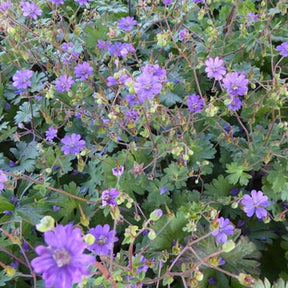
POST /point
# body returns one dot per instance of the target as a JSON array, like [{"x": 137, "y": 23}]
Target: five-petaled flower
[
  {"x": 224, "y": 228},
  {"x": 127, "y": 23},
  {"x": 31, "y": 10},
  {"x": 236, "y": 83},
  {"x": 21, "y": 79},
  {"x": 63, "y": 262},
  {"x": 51, "y": 133},
  {"x": 63, "y": 83},
  {"x": 72, "y": 144},
  {"x": 83, "y": 71},
  {"x": 195, "y": 103},
  {"x": 283, "y": 49},
  {"x": 255, "y": 204},
  {"x": 215, "y": 68},
  {"x": 104, "y": 239}
]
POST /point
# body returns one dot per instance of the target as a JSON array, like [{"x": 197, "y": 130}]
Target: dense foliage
[{"x": 143, "y": 143}]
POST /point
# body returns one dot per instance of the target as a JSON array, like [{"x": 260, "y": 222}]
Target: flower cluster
[
  {"x": 63, "y": 262},
  {"x": 255, "y": 204}
]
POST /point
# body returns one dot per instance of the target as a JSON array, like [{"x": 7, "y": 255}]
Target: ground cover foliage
[{"x": 143, "y": 143}]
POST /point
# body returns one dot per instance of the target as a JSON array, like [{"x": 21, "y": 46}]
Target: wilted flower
[
  {"x": 63, "y": 262},
  {"x": 104, "y": 240},
  {"x": 72, "y": 144},
  {"x": 255, "y": 204}
]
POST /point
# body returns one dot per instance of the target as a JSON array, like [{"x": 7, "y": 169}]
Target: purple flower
[
  {"x": 31, "y": 9},
  {"x": 5, "y": 5},
  {"x": 111, "y": 81},
  {"x": 234, "y": 103},
  {"x": 71, "y": 54},
  {"x": 57, "y": 1},
  {"x": 103, "y": 45},
  {"x": 215, "y": 68},
  {"x": 253, "y": 17},
  {"x": 63, "y": 83},
  {"x": 103, "y": 239},
  {"x": 83, "y": 71},
  {"x": 109, "y": 196},
  {"x": 22, "y": 79},
  {"x": 142, "y": 260},
  {"x": 199, "y": 1},
  {"x": 183, "y": 35},
  {"x": 132, "y": 115},
  {"x": 51, "y": 133},
  {"x": 56, "y": 208},
  {"x": 126, "y": 48},
  {"x": 255, "y": 204},
  {"x": 72, "y": 144},
  {"x": 63, "y": 262},
  {"x": 127, "y": 23},
  {"x": 83, "y": 2},
  {"x": 167, "y": 2},
  {"x": 146, "y": 86},
  {"x": 163, "y": 190},
  {"x": 224, "y": 228},
  {"x": 195, "y": 103},
  {"x": 118, "y": 171},
  {"x": 131, "y": 99},
  {"x": 283, "y": 49},
  {"x": 235, "y": 83},
  {"x": 155, "y": 70},
  {"x": 3, "y": 179}
]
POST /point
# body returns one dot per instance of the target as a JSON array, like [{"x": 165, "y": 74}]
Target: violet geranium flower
[
  {"x": 234, "y": 103},
  {"x": 83, "y": 71},
  {"x": 104, "y": 240},
  {"x": 224, "y": 228},
  {"x": 3, "y": 179},
  {"x": 109, "y": 196},
  {"x": 63, "y": 83},
  {"x": 31, "y": 10},
  {"x": 21, "y": 79},
  {"x": 127, "y": 23},
  {"x": 255, "y": 204},
  {"x": 215, "y": 68},
  {"x": 236, "y": 84},
  {"x": 283, "y": 49},
  {"x": 72, "y": 144},
  {"x": 51, "y": 133},
  {"x": 195, "y": 103},
  {"x": 63, "y": 262}
]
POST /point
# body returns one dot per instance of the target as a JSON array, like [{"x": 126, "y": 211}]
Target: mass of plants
[{"x": 143, "y": 143}]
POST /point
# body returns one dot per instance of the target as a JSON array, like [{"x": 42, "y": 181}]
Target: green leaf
[
  {"x": 170, "y": 99},
  {"x": 237, "y": 174},
  {"x": 219, "y": 187},
  {"x": 24, "y": 113}
]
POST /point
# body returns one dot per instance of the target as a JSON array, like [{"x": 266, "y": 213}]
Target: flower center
[
  {"x": 102, "y": 240},
  {"x": 61, "y": 257},
  {"x": 234, "y": 87}
]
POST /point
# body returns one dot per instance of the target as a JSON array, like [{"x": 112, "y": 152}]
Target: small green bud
[{"x": 46, "y": 224}]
